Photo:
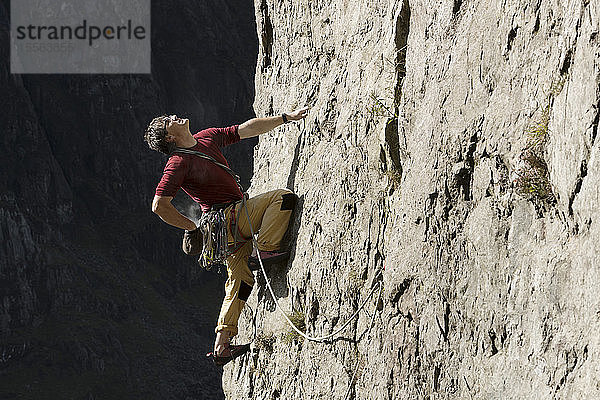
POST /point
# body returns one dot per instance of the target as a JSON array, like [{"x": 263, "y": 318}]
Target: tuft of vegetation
[
  {"x": 298, "y": 319},
  {"x": 393, "y": 170},
  {"x": 557, "y": 86},
  {"x": 378, "y": 108},
  {"x": 357, "y": 365},
  {"x": 538, "y": 132},
  {"x": 533, "y": 181},
  {"x": 533, "y": 178}
]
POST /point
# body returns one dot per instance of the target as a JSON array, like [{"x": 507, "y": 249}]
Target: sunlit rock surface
[{"x": 487, "y": 295}]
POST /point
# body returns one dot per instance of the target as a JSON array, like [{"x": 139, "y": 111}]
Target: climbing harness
[{"x": 213, "y": 225}]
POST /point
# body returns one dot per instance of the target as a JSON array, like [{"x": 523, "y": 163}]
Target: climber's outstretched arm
[
  {"x": 161, "y": 206},
  {"x": 258, "y": 126}
]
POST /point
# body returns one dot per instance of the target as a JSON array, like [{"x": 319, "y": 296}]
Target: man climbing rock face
[{"x": 214, "y": 188}]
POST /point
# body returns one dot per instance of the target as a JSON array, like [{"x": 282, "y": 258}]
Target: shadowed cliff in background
[{"x": 97, "y": 300}]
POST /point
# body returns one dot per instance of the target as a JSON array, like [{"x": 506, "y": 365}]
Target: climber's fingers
[{"x": 298, "y": 114}]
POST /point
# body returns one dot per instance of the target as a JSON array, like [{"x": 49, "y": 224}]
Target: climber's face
[{"x": 176, "y": 127}]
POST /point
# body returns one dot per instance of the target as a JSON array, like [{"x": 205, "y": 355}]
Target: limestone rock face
[{"x": 409, "y": 165}]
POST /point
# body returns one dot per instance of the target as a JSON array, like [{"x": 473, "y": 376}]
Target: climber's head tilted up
[{"x": 167, "y": 132}]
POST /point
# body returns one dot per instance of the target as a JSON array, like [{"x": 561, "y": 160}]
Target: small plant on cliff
[
  {"x": 533, "y": 178},
  {"x": 533, "y": 181},
  {"x": 297, "y": 318},
  {"x": 378, "y": 108},
  {"x": 557, "y": 86},
  {"x": 357, "y": 363},
  {"x": 538, "y": 131}
]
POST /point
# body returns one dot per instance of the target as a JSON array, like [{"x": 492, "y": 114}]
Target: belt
[{"x": 222, "y": 206}]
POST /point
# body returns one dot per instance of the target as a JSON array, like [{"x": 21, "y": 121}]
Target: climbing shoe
[
  {"x": 230, "y": 353},
  {"x": 267, "y": 257}
]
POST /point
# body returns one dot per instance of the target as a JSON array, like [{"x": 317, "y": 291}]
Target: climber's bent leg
[
  {"x": 237, "y": 290},
  {"x": 270, "y": 215}
]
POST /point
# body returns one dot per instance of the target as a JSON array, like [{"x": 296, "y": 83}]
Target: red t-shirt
[{"x": 204, "y": 181}]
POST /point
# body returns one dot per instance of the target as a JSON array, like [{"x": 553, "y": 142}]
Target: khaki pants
[{"x": 270, "y": 214}]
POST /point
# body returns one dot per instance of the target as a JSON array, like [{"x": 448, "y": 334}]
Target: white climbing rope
[{"x": 298, "y": 331}]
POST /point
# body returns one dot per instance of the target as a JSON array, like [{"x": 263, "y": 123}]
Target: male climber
[{"x": 214, "y": 188}]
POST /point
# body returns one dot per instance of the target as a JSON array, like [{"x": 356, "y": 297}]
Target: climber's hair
[{"x": 156, "y": 135}]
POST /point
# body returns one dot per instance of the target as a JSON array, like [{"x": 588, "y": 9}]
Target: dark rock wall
[{"x": 96, "y": 299}]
